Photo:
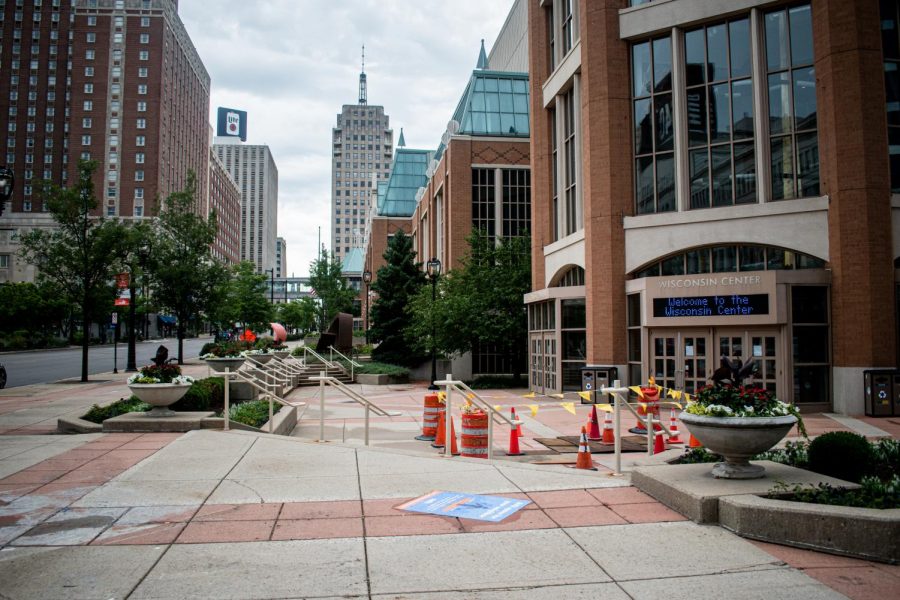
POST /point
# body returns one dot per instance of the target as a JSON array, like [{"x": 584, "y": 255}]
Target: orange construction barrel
[
  {"x": 432, "y": 411},
  {"x": 474, "y": 438}
]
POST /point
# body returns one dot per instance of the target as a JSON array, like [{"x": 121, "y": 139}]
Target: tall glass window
[
  {"x": 570, "y": 156},
  {"x": 719, "y": 93},
  {"x": 654, "y": 126},
  {"x": 483, "y": 201},
  {"x": 890, "y": 42},
  {"x": 554, "y": 154},
  {"x": 516, "y": 202},
  {"x": 793, "y": 139},
  {"x": 810, "y": 344}
]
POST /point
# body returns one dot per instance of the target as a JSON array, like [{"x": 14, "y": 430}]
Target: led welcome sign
[{"x": 712, "y": 306}]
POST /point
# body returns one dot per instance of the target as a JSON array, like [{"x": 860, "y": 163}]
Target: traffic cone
[
  {"x": 673, "y": 429},
  {"x": 609, "y": 434},
  {"x": 694, "y": 442},
  {"x": 584, "y": 453},
  {"x": 659, "y": 445},
  {"x": 453, "y": 449},
  {"x": 514, "y": 443},
  {"x": 514, "y": 417},
  {"x": 594, "y": 436},
  {"x": 440, "y": 437}
]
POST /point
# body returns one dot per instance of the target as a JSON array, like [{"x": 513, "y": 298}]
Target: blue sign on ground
[{"x": 465, "y": 506}]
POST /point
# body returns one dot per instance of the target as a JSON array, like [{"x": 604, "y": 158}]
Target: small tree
[
  {"x": 398, "y": 281},
  {"x": 299, "y": 316},
  {"x": 334, "y": 294},
  {"x": 186, "y": 279},
  {"x": 250, "y": 297},
  {"x": 79, "y": 254}
]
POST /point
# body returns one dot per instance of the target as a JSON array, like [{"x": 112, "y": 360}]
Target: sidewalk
[{"x": 210, "y": 514}]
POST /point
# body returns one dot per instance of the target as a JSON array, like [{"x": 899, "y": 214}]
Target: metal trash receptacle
[
  {"x": 594, "y": 377},
  {"x": 880, "y": 392}
]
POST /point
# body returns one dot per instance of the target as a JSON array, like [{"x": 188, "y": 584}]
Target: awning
[{"x": 166, "y": 319}]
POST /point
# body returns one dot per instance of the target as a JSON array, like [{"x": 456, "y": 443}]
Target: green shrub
[
  {"x": 98, "y": 414},
  {"x": 207, "y": 348},
  {"x": 492, "y": 382},
  {"x": 841, "y": 454},
  {"x": 795, "y": 454},
  {"x": 694, "y": 456},
  {"x": 873, "y": 493},
  {"x": 254, "y": 413},
  {"x": 380, "y": 368},
  {"x": 204, "y": 394}
]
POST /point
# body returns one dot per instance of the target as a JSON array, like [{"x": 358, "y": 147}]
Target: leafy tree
[
  {"x": 36, "y": 308},
  {"x": 249, "y": 297},
  {"x": 334, "y": 294},
  {"x": 187, "y": 281},
  {"x": 79, "y": 254},
  {"x": 397, "y": 282},
  {"x": 479, "y": 303},
  {"x": 137, "y": 249},
  {"x": 298, "y": 316}
]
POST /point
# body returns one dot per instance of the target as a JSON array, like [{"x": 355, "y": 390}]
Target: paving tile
[
  {"x": 84, "y": 453},
  {"x": 11, "y": 491},
  {"x": 563, "y": 498},
  {"x": 59, "y": 464},
  {"x": 238, "y": 512},
  {"x": 142, "y": 515},
  {"x": 11, "y": 532},
  {"x": 30, "y": 476},
  {"x": 148, "y": 533},
  {"x": 226, "y": 531},
  {"x": 583, "y": 516},
  {"x": 306, "y": 529},
  {"x": 800, "y": 558},
  {"x": 778, "y": 583},
  {"x": 621, "y": 495},
  {"x": 320, "y": 510},
  {"x": 70, "y": 492},
  {"x": 70, "y": 527},
  {"x": 648, "y": 512},
  {"x": 385, "y": 507},
  {"x": 101, "y": 445},
  {"x": 523, "y": 519},
  {"x": 411, "y": 525},
  {"x": 89, "y": 476}
]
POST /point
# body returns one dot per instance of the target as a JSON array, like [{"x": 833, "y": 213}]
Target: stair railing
[
  {"x": 324, "y": 379},
  {"x": 474, "y": 398},
  {"x": 353, "y": 363}
]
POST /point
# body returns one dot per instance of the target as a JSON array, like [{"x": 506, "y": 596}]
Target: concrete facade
[{"x": 621, "y": 197}]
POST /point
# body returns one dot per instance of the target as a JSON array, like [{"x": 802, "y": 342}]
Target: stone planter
[
  {"x": 260, "y": 358},
  {"x": 737, "y": 439},
  {"x": 160, "y": 396},
  {"x": 220, "y": 364},
  {"x": 281, "y": 354}
]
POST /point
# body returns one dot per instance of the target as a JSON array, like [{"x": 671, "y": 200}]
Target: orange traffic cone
[
  {"x": 609, "y": 434},
  {"x": 658, "y": 444},
  {"x": 673, "y": 429},
  {"x": 513, "y": 417},
  {"x": 694, "y": 442},
  {"x": 440, "y": 437},
  {"x": 514, "y": 443},
  {"x": 584, "y": 460},
  {"x": 453, "y": 449},
  {"x": 595, "y": 425}
]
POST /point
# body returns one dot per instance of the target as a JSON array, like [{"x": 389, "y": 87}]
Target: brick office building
[
  {"x": 225, "y": 199},
  {"x": 711, "y": 178},
  {"x": 115, "y": 81}
]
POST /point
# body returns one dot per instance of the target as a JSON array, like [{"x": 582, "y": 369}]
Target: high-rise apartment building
[
  {"x": 254, "y": 170},
  {"x": 225, "y": 200},
  {"x": 362, "y": 147},
  {"x": 115, "y": 81}
]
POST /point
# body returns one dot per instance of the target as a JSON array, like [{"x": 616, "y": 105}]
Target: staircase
[{"x": 313, "y": 370}]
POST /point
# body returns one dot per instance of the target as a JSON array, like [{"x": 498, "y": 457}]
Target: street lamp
[
  {"x": 367, "y": 279},
  {"x": 271, "y": 273},
  {"x": 434, "y": 271},
  {"x": 7, "y": 183}
]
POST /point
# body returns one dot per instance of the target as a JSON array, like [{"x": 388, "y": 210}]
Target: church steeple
[
  {"x": 482, "y": 58},
  {"x": 362, "y": 79}
]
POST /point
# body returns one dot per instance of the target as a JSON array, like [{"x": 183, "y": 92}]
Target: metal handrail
[
  {"x": 353, "y": 363},
  {"x": 322, "y": 359},
  {"x": 473, "y": 397},
  {"x": 323, "y": 378},
  {"x": 245, "y": 377}
]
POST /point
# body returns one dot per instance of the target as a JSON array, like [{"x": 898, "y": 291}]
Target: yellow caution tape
[
  {"x": 534, "y": 409},
  {"x": 529, "y": 395},
  {"x": 637, "y": 390},
  {"x": 585, "y": 395},
  {"x": 569, "y": 406}
]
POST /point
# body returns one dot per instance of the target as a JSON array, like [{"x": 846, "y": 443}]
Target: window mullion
[
  {"x": 760, "y": 107},
  {"x": 679, "y": 112}
]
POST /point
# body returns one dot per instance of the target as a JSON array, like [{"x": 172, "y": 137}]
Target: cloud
[{"x": 292, "y": 64}]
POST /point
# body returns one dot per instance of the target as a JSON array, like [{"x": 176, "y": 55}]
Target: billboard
[{"x": 232, "y": 123}]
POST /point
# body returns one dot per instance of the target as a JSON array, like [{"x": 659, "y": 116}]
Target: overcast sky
[{"x": 292, "y": 64}]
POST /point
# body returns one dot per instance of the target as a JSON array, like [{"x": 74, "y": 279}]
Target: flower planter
[
  {"x": 160, "y": 396},
  {"x": 220, "y": 364},
  {"x": 737, "y": 439},
  {"x": 260, "y": 358},
  {"x": 281, "y": 354}
]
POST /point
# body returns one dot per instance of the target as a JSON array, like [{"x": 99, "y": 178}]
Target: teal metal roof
[
  {"x": 381, "y": 190},
  {"x": 407, "y": 176},
  {"x": 494, "y": 103},
  {"x": 353, "y": 262}
]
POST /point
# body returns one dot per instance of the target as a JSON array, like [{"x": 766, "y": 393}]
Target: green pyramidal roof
[
  {"x": 353, "y": 262},
  {"x": 407, "y": 176},
  {"x": 494, "y": 103}
]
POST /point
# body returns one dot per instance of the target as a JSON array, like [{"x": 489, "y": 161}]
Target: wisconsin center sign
[{"x": 709, "y": 306}]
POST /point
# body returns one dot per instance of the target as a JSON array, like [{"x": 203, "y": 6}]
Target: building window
[
  {"x": 140, "y": 140},
  {"x": 138, "y": 211},
  {"x": 145, "y": 38},
  {"x": 654, "y": 130},
  {"x": 633, "y": 307},
  {"x": 794, "y": 143},
  {"x": 551, "y": 35},
  {"x": 4, "y": 261},
  {"x": 139, "y": 193},
  {"x": 144, "y": 55},
  {"x": 89, "y": 71},
  {"x": 142, "y": 106},
  {"x": 516, "y": 202},
  {"x": 89, "y": 55},
  {"x": 721, "y": 160},
  {"x": 88, "y": 105},
  {"x": 85, "y": 140},
  {"x": 139, "y": 158},
  {"x": 142, "y": 123},
  {"x": 145, "y": 21},
  {"x": 142, "y": 72},
  {"x": 890, "y": 42},
  {"x": 142, "y": 89},
  {"x": 139, "y": 175},
  {"x": 89, "y": 88},
  {"x": 570, "y": 159},
  {"x": 810, "y": 344},
  {"x": 483, "y": 198},
  {"x": 91, "y": 38},
  {"x": 730, "y": 259},
  {"x": 569, "y": 35},
  {"x": 92, "y": 21}
]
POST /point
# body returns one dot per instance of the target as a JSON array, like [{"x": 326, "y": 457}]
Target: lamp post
[
  {"x": 271, "y": 273},
  {"x": 434, "y": 271},
  {"x": 7, "y": 183},
  {"x": 367, "y": 279}
]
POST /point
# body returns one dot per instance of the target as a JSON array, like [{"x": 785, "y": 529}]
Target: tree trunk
[
  {"x": 85, "y": 346},
  {"x": 131, "y": 365},
  {"x": 180, "y": 330}
]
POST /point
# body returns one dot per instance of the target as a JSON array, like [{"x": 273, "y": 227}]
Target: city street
[{"x": 25, "y": 368}]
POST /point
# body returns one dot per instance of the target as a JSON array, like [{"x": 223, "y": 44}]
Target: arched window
[{"x": 729, "y": 259}]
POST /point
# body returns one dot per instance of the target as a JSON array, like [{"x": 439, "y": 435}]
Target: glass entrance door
[
  {"x": 679, "y": 359},
  {"x": 761, "y": 346},
  {"x": 543, "y": 363}
]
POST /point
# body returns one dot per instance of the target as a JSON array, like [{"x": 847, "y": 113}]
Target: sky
[{"x": 292, "y": 64}]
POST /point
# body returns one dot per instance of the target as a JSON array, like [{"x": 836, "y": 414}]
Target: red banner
[{"x": 122, "y": 280}]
